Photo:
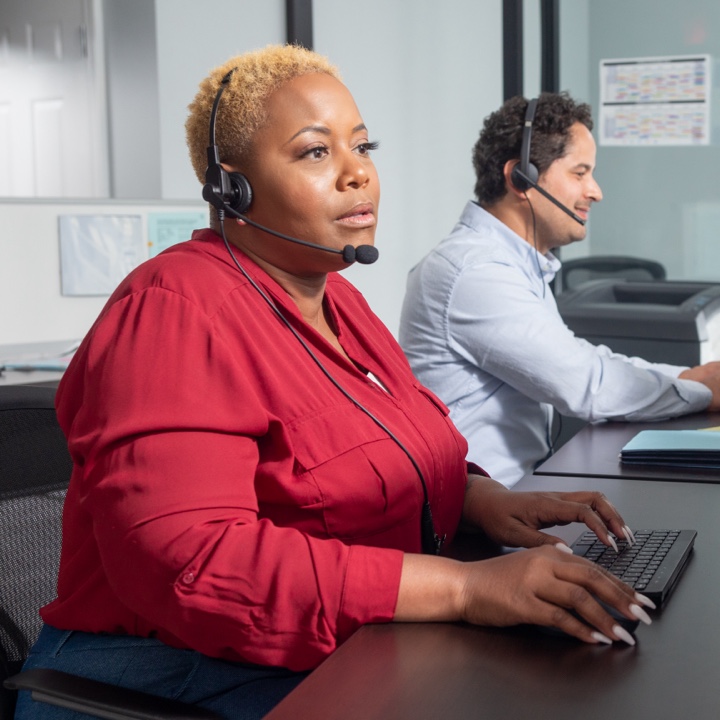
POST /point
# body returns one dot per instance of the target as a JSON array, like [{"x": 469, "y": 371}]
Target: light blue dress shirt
[{"x": 481, "y": 329}]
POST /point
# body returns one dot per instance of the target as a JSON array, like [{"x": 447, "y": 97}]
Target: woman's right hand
[{"x": 539, "y": 586}]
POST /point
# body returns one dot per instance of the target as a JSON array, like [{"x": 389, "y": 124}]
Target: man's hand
[{"x": 709, "y": 375}]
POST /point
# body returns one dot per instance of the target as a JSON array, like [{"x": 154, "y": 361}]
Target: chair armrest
[{"x": 101, "y": 699}]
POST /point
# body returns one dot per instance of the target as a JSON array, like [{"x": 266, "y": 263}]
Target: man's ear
[{"x": 510, "y": 185}]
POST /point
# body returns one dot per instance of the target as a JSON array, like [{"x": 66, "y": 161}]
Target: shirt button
[{"x": 188, "y": 578}]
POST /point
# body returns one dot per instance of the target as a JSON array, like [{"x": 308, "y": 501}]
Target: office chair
[
  {"x": 580, "y": 270},
  {"x": 35, "y": 468}
]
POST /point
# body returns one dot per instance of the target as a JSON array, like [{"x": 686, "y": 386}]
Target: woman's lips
[{"x": 359, "y": 216}]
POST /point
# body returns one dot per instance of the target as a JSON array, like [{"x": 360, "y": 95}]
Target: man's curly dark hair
[{"x": 501, "y": 138}]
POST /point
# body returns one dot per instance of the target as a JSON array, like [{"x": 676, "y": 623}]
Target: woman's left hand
[{"x": 514, "y": 519}]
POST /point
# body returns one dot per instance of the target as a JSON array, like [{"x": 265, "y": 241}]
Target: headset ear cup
[
  {"x": 241, "y": 197},
  {"x": 519, "y": 181},
  {"x": 532, "y": 173}
]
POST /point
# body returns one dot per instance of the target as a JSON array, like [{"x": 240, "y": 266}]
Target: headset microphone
[
  {"x": 231, "y": 193},
  {"x": 525, "y": 174},
  {"x": 519, "y": 174},
  {"x": 364, "y": 254}
]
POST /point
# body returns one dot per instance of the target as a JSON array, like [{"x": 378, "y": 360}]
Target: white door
[{"x": 52, "y": 138}]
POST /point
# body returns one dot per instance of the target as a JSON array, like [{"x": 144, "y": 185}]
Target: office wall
[
  {"x": 574, "y": 43},
  {"x": 133, "y": 100},
  {"x": 424, "y": 78},
  {"x": 660, "y": 202},
  {"x": 32, "y": 308},
  {"x": 192, "y": 38},
  {"x": 575, "y": 79}
]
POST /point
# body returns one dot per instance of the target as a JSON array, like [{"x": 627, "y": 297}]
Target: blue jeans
[{"x": 233, "y": 690}]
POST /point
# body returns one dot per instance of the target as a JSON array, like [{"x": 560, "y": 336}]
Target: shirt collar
[{"x": 478, "y": 218}]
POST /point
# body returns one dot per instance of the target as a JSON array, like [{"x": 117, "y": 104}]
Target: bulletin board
[{"x": 655, "y": 101}]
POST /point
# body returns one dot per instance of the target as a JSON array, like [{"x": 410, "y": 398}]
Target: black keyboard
[{"x": 652, "y": 566}]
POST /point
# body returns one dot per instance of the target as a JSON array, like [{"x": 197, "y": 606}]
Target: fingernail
[
  {"x": 563, "y": 547},
  {"x": 599, "y": 637},
  {"x": 622, "y": 634},
  {"x": 613, "y": 544},
  {"x": 640, "y": 614},
  {"x": 629, "y": 536},
  {"x": 645, "y": 600}
]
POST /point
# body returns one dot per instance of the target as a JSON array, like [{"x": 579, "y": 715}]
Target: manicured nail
[
  {"x": 645, "y": 600},
  {"x": 613, "y": 544},
  {"x": 599, "y": 637},
  {"x": 629, "y": 536},
  {"x": 640, "y": 614},
  {"x": 622, "y": 634},
  {"x": 563, "y": 547}
]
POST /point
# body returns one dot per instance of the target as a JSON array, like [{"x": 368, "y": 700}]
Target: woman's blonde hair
[{"x": 241, "y": 110}]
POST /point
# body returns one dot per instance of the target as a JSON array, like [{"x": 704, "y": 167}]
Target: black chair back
[
  {"x": 595, "y": 267},
  {"x": 35, "y": 468}
]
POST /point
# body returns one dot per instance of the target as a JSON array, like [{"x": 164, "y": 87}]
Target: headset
[
  {"x": 231, "y": 193},
  {"x": 223, "y": 190},
  {"x": 525, "y": 174}
]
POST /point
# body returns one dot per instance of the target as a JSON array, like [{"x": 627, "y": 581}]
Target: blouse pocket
[
  {"x": 366, "y": 482},
  {"x": 444, "y": 410}
]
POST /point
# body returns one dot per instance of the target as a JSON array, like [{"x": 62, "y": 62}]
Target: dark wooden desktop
[
  {"x": 433, "y": 670},
  {"x": 594, "y": 452}
]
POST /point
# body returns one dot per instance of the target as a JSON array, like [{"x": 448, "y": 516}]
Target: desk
[
  {"x": 432, "y": 670},
  {"x": 594, "y": 452},
  {"x": 30, "y": 352},
  {"x": 36, "y": 377}
]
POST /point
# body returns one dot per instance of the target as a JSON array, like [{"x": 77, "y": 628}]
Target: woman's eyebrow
[
  {"x": 323, "y": 129},
  {"x": 311, "y": 128}
]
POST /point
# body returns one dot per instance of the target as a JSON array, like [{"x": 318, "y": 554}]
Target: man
[{"x": 480, "y": 325}]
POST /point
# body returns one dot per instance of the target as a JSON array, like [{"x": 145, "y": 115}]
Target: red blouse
[{"x": 225, "y": 495}]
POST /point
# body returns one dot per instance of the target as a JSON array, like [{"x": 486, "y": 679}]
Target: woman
[{"x": 252, "y": 453}]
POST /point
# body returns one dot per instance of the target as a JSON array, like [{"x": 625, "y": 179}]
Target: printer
[{"x": 659, "y": 320}]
